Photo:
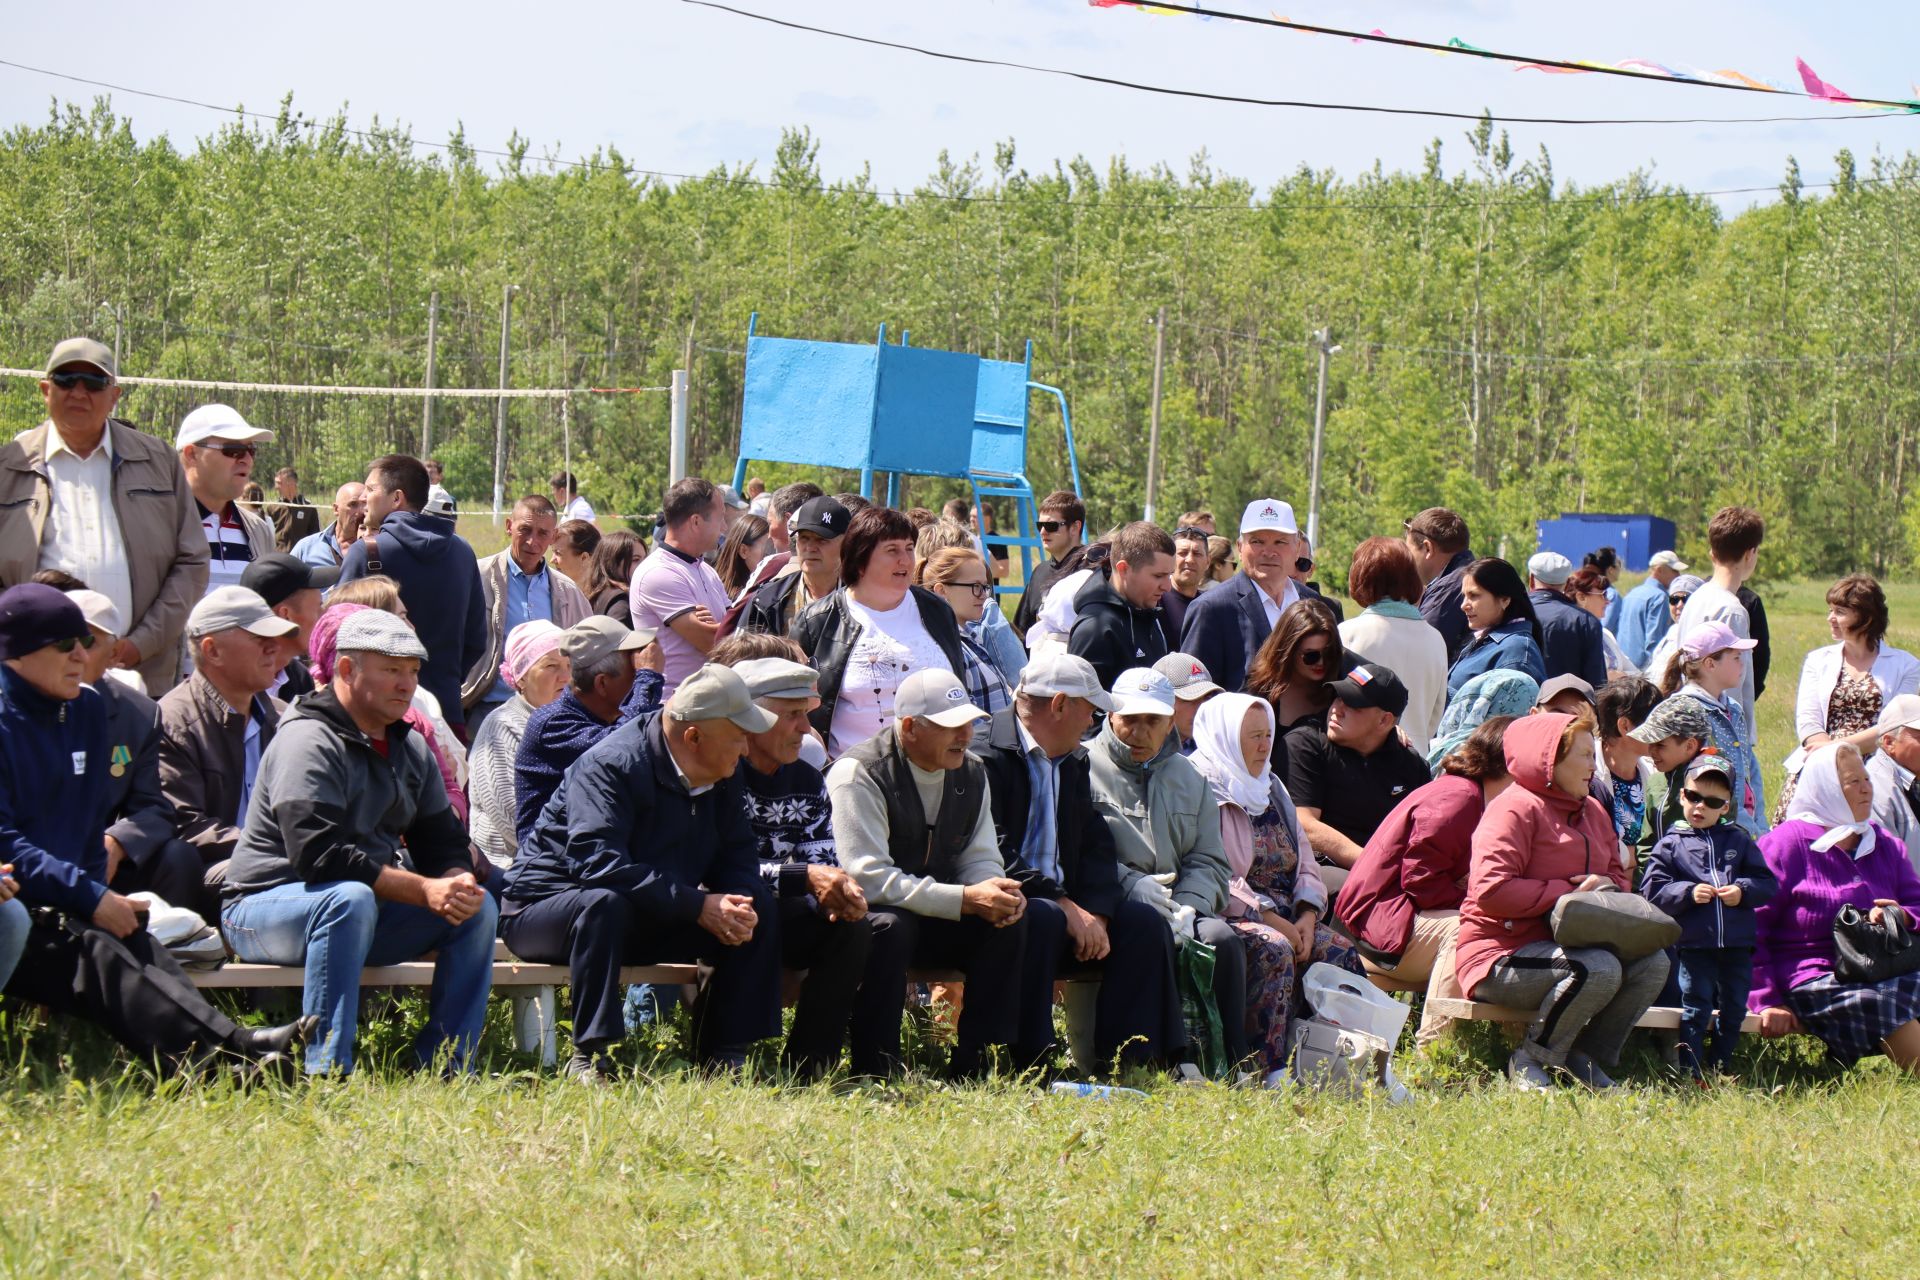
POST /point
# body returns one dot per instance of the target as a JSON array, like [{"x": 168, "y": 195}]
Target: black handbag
[{"x": 1868, "y": 952}]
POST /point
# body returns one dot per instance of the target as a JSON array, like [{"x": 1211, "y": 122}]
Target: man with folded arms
[
  {"x": 216, "y": 727},
  {"x": 88, "y": 952},
  {"x": 1055, "y": 843},
  {"x": 856, "y": 971},
  {"x": 108, "y": 504},
  {"x": 913, "y": 827},
  {"x": 318, "y": 876},
  {"x": 644, "y": 856}
]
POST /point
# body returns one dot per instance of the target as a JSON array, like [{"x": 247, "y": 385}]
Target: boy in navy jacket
[{"x": 1709, "y": 875}]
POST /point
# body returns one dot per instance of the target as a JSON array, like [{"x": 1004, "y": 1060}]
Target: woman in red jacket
[
  {"x": 1402, "y": 898},
  {"x": 1542, "y": 839}
]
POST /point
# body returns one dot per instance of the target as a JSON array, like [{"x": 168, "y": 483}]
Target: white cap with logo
[
  {"x": 935, "y": 694},
  {"x": 1142, "y": 691},
  {"x": 1270, "y": 514}
]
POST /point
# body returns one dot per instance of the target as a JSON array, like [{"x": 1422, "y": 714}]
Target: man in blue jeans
[{"x": 317, "y": 880}]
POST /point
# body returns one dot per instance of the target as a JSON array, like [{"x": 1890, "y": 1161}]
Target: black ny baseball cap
[{"x": 1371, "y": 685}]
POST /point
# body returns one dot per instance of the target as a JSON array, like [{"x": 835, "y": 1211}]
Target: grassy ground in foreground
[
  {"x": 689, "y": 1178},
  {"x": 1797, "y": 1169}
]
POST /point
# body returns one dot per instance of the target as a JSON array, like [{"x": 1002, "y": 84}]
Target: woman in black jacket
[{"x": 874, "y": 632}]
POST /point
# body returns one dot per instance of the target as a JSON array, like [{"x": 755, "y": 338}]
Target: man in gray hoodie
[
  {"x": 317, "y": 877},
  {"x": 1166, "y": 830}
]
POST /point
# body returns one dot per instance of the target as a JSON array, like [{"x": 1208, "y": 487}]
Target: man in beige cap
[
  {"x": 217, "y": 450},
  {"x": 913, "y": 826},
  {"x": 1896, "y": 793},
  {"x": 609, "y": 685},
  {"x": 644, "y": 855},
  {"x": 108, "y": 505},
  {"x": 215, "y": 727}
]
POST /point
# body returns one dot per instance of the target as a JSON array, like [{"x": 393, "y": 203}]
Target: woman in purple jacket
[{"x": 1825, "y": 856}]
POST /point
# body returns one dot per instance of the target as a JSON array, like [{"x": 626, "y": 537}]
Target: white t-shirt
[
  {"x": 578, "y": 509},
  {"x": 83, "y": 530},
  {"x": 667, "y": 585},
  {"x": 892, "y": 646}
]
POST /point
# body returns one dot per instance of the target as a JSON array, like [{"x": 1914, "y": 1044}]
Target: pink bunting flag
[{"x": 1816, "y": 87}]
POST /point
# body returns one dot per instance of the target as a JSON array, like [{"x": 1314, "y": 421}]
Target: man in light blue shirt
[
  {"x": 327, "y": 547},
  {"x": 518, "y": 586},
  {"x": 1644, "y": 617}
]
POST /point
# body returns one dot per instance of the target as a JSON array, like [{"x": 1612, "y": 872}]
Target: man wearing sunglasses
[
  {"x": 108, "y": 505},
  {"x": 217, "y": 449},
  {"x": 1302, "y": 574},
  {"x": 1062, "y": 520}
]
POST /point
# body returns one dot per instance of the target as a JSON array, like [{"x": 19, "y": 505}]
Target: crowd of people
[{"x": 792, "y": 738}]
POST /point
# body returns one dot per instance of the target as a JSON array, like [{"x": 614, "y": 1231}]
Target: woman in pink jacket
[{"x": 1542, "y": 838}]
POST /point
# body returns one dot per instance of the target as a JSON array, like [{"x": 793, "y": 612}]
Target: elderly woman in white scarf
[
  {"x": 1276, "y": 899},
  {"x": 1826, "y": 856}
]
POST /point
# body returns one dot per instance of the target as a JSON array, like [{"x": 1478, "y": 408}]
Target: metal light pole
[
  {"x": 500, "y": 418},
  {"x": 677, "y": 428},
  {"x": 433, "y": 334},
  {"x": 1153, "y": 429},
  {"x": 1324, "y": 344}
]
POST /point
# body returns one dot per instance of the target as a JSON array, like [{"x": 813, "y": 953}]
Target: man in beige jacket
[
  {"x": 518, "y": 586},
  {"x": 107, "y": 504}
]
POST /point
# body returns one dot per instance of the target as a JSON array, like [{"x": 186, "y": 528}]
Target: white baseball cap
[
  {"x": 1268, "y": 513},
  {"x": 101, "y": 613},
  {"x": 1068, "y": 673},
  {"x": 1550, "y": 568},
  {"x": 1901, "y": 712},
  {"x": 221, "y": 422},
  {"x": 1667, "y": 560},
  {"x": 935, "y": 694},
  {"x": 230, "y": 608},
  {"x": 1142, "y": 691}
]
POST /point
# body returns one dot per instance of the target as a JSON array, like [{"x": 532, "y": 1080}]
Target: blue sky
[{"x": 681, "y": 89}]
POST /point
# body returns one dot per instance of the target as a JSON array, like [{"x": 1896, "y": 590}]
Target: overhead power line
[
  {"x": 1294, "y": 103},
  {"x": 1461, "y": 47}
]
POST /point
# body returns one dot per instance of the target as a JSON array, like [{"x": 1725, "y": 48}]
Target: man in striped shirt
[{"x": 217, "y": 448}]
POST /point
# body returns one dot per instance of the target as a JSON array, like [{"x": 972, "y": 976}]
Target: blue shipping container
[{"x": 1635, "y": 537}]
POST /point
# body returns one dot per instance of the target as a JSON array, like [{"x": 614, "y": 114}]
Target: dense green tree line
[{"x": 1513, "y": 346}]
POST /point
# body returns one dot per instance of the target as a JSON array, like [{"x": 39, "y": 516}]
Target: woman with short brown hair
[{"x": 1391, "y": 632}]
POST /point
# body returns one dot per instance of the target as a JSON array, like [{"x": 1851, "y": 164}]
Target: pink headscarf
[
  {"x": 321, "y": 647},
  {"x": 527, "y": 644}
]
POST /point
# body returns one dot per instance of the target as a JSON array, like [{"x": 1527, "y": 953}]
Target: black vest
[{"x": 914, "y": 848}]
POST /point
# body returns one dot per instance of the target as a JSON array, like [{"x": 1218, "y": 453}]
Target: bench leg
[{"x": 533, "y": 1024}]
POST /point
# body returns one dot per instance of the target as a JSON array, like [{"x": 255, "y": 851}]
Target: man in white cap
[
  {"x": 216, "y": 727},
  {"x": 69, "y": 483},
  {"x": 1893, "y": 769},
  {"x": 913, "y": 826},
  {"x": 1569, "y": 636},
  {"x": 856, "y": 973},
  {"x": 1226, "y": 626},
  {"x": 1644, "y": 617},
  {"x": 217, "y": 450},
  {"x": 644, "y": 855},
  {"x": 1054, "y": 842},
  {"x": 319, "y": 879},
  {"x": 1192, "y": 685},
  {"x": 143, "y": 853}
]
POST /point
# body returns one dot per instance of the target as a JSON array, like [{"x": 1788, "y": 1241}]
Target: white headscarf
[
  {"x": 1216, "y": 752},
  {"x": 1819, "y": 799}
]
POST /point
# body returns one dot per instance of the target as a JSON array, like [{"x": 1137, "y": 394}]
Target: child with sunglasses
[{"x": 1709, "y": 875}]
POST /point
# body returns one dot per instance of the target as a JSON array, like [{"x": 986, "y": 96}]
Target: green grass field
[{"x": 1794, "y": 1171}]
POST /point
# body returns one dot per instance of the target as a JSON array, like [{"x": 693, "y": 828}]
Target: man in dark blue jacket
[
  {"x": 1227, "y": 625},
  {"x": 607, "y": 688},
  {"x": 1056, "y": 844},
  {"x": 1439, "y": 542},
  {"x": 1570, "y": 640},
  {"x": 438, "y": 576},
  {"x": 88, "y": 952},
  {"x": 645, "y": 855},
  {"x": 1119, "y": 617}
]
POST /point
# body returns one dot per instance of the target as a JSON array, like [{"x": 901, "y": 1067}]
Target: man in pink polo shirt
[{"x": 675, "y": 592}]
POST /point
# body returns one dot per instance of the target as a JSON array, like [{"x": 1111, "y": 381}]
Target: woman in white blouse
[
  {"x": 1844, "y": 686},
  {"x": 1390, "y": 631}
]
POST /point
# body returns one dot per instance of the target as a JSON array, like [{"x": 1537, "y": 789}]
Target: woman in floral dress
[{"x": 1276, "y": 900}]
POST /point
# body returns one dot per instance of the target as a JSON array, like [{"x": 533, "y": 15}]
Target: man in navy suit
[{"x": 1227, "y": 625}]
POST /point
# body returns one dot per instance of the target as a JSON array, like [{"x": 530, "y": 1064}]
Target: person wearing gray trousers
[{"x": 1588, "y": 1000}]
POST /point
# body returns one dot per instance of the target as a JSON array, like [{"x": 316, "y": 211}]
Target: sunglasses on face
[
  {"x": 1313, "y": 657},
  {"x": 1713, "y": 803},
  {"x": 1189, "y": 531},
  {"x": 66, "y": 646},
  {"x": 68, "y": 380},
  {"x": 238, "y": 451},
  {"x": 1303, "y": 564},
  {"x": 1050, "y": 526}
]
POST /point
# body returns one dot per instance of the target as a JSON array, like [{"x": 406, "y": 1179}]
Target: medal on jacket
[{"x": 121, "y": 758}]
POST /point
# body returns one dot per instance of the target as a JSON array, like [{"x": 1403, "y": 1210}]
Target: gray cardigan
[{"x": 1164, "y": 819}]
